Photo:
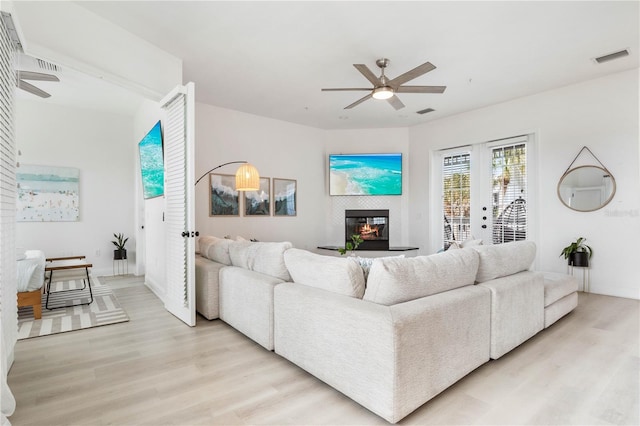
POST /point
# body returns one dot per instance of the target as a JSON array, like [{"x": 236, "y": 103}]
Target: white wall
[
  {"x": 99, "y": 144},
  {"x": 361, "y": 142},
  {"x": 601, "y": 114},
  {"x": 278, "y": 149}
]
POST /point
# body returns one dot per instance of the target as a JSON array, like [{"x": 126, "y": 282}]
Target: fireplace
[{"x": 372, "y": 225}]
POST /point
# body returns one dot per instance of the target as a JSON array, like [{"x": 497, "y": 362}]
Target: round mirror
[{"x": 586, "y": 188}]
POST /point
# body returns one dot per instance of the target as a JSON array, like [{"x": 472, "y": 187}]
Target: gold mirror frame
[{"x": 588, "y": 184}]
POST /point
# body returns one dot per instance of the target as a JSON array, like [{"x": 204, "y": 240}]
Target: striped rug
[{"x": 104, "y": 310}]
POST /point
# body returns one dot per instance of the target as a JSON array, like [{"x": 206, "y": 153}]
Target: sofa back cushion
[
  {"x": 500, "y": 260},
  {"x": 337, "y": 274},
  {"x": 264, "y": 257},
  {"x": 216, "y": 249},
  {"x": 397, "y": 280}
]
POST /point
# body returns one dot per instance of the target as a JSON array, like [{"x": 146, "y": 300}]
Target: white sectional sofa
[{"x": 415, "y": 327}]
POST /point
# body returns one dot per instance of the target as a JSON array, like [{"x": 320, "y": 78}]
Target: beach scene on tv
[
  {"x": 365, "y": 174},
  {"x": 152, "y": 163}
]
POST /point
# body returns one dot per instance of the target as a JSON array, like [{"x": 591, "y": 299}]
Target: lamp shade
[{"x": 247, "y": 178}]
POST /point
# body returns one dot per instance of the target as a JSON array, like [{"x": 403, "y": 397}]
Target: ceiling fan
[
  {"x": 21, "y": 76},
  {"x": 383, "y": 88}
]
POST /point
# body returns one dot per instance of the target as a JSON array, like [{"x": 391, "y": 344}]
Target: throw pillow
[{"x": 366, "y": 262}]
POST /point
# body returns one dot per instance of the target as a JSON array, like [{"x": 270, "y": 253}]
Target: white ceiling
[{"x": 272, "y": 58}]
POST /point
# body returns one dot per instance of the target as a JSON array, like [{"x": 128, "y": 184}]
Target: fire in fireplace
[{"x": 372, "y": 225}]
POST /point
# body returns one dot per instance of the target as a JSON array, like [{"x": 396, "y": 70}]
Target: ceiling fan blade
[
  {"x": 395, "y": 102},
  {"x": 421, "y": 89},
  {"x": 368, "y": 74},
  {"x": 358, "y": 102},
  {"x": 345, "y": 89},
  {"x": 410, "y": 75},
  {"x": 30, "y": 75},
  {"x": 32, "y": 89}
]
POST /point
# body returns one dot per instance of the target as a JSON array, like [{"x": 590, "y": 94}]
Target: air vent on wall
[
  {"x": 612, "y": 56},
  {"x": 47, "y": 66},
  {"x": 424, "y": 111}
]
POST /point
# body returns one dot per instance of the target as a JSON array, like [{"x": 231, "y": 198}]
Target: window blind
[
  {"x": 509, "y": 192},
  {"x": 456, "y": 193}
]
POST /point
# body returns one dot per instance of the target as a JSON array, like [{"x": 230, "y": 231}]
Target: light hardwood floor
[{"x": 154, "y": 370}]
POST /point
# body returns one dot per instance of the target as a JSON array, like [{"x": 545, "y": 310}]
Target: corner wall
[
  {"x": 278, "y": 149},
  {"x": 364, "y": 141},
  {"x": 602, "y": 114}
]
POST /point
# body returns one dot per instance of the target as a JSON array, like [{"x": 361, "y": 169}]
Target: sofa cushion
[
  {"x": 500, "y": 260},
  {"x": 264, "y": 257},
  {"x": 365, "y": 263},
  {"x": 397, "y": 280},
  {"x": 336, "y": 274},
  {"x": 216, "y": 249},
  {"x": 239, "y": 253}
]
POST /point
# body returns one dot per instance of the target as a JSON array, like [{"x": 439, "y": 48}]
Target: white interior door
[{"x": 179, "y": 131}]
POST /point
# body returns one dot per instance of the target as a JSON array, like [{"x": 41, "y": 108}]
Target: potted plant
[
  {"x": 120, "y": 252},
  {"x": 577, "y": 253},
  {"x": 356, "y": 239}
]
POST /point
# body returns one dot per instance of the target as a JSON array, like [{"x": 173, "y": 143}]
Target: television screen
[
  {"x": 151, "y": 163},
  {"x": 365, "y": 174}
]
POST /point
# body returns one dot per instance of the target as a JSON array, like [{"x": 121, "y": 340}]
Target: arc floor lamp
[{"x": 247, "y": 176}]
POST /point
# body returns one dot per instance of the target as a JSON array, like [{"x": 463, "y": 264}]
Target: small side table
[
  {"x": 586, "y": 277},
  {"x": 67, "y": 263}
]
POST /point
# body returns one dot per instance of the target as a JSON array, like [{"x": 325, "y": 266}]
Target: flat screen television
[
  {"x": 365, "y": 174},
  {"x": 152, "y": 163}
]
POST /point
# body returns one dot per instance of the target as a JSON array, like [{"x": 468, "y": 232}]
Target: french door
[
  {"x": 180, "y": 232},
  {"x": 483, "y": 191}
]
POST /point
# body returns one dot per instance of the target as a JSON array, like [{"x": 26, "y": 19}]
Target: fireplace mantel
[{"x": 397, "y": 250}]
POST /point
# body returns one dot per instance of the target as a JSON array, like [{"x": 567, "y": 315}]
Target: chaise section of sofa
[
  {"x": 517, "y": 294},
  {"x": 246, "y": 287}
]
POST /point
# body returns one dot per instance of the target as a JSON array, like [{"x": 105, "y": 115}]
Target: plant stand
[
  {"x": 120, "y": 265},
  {"x": 586, "y": 277}
]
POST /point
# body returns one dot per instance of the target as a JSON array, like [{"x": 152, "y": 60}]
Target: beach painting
[
  {"x": 365, "y": 174},
  {"x": 258, "y": 203},
  {"x": 284, "y": 197},
  {"x": 47, "y": 194},
  {"x": 224, "y": 199}
]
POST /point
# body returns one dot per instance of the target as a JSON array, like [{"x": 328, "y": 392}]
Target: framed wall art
[
  {"x": 47, "y": 194},
  {"x": 258, "y": 203},
  {"x": 224, "y": 199},
  {"x": 284, "y": 197}
]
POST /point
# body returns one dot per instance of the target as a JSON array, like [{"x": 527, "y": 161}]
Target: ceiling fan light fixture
[{"x": 384, "y": 92}]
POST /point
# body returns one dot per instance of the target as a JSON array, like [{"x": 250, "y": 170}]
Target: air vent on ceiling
[
  {"x": 424, "y": 111},
  {"x": 47, "y": 66},
  {"x": 612, "y": 56}
]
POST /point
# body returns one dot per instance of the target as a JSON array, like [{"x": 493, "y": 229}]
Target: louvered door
[
  {"x": 180, "y": 235},
  {"x": 8, "y": 288}
]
